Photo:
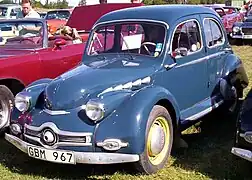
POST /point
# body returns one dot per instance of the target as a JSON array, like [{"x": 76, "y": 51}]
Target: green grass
[{"x": 207, "y": 157}]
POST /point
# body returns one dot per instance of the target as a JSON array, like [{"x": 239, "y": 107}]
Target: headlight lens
[
  {"x": 236, "y": 29},
  {"x": 22, "y": 102},
  {"x": 95, "y": 111}
]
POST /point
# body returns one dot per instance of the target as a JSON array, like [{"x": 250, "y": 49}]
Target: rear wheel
[
  {"x": 6, "y": 104},
  {"x": 158, "y": 141}
]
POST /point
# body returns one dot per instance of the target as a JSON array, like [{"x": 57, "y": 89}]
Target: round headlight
[
  {"x": 236, "y": 29},
  {"x": 94, "y": 111},
  {"x": 22, "y": 102}
]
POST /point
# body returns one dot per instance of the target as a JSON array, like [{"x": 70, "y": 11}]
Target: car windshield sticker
[
  {"x": 156, "y": 54},
  {"x": 159, "y": 47},
  {"x": 132, "y": 42}
]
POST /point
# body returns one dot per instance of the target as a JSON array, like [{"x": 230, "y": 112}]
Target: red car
[
  {"x": 235, "y": 11},
  {"x": 27, "y": 52},
  {"x": 227, "y": 19}
]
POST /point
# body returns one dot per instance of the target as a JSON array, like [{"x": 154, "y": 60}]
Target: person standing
[{"x": 27, "y": 10}]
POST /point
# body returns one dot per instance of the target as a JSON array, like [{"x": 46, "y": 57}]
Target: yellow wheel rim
[{"x": 158, "y": 158}]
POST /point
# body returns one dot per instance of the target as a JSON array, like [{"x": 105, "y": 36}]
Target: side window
[
  {"x": 186, "y": 38},
  {"x": 213, "y": 33}
]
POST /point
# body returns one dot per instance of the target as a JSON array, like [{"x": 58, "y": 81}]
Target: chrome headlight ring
[
  {"x": 236, "y": 29},
  {"x": 94, "y": 110},
  {"x": 22, "y": 102}
]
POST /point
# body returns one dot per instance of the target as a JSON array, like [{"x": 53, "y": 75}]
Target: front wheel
[
  {"x": 6, "y": 103},
  {"x": 158, "y": 141}
]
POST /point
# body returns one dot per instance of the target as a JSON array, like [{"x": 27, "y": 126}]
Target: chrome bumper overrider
[
  {"x": 243, "y": 153},
  {"x": 82, "y": 157}
]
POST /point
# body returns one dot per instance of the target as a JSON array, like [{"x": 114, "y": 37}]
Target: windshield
[
  {"x": 3, "y": 11},
  {"x": 229, "y": 10},
  {"x": 220, "y": 11},
  {"x": 21, "y": 34},
  {"x": 135, "y": 38},
  {"x": 58, "y": 15}
]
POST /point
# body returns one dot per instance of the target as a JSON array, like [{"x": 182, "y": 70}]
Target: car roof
[
  {"x": 9, "y": 5},
  {"x": 163, "y": 13}
]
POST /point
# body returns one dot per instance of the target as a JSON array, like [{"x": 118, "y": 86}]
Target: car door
[
  {"x": 56, "y": 61},
  {"x": 215, "y": 40},
  {"x": 187, "y": 81}
]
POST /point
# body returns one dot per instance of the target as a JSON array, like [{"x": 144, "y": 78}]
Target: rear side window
[
  {"x": 213, "y": 33},
  {"x": 187, "y": 36}
]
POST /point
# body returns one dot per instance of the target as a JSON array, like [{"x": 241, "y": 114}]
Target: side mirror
[{"x": 60, "y": 42}]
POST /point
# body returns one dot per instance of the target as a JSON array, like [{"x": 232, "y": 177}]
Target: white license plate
[
  {"x": 57, "y": 156},
  {"x": 247, "y": 36}
]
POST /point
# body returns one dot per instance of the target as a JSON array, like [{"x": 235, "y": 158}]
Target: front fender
[
  {"x": 128, "y": 122},
  {"x": 39, "y": 84},
  {"x": 33, "y": 91}
]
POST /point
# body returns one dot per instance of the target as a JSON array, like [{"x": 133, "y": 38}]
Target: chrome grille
[
  {"x": 61, "y": 138},
  {"x": 247, "y": 31}
]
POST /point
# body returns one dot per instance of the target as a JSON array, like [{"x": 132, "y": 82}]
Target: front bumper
[
  {"x": 234, "y": 36},
  {"x": 243, "y": 153},
  {"x": 82, "y": 157}
]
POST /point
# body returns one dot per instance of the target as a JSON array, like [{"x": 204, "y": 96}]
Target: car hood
[
  {"x": 8, "y": 52},
  {"x": 86, "y": 81}
]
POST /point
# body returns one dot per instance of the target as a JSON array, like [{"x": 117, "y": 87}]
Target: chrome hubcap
[
  {"x": 157, "y": 140},
  {"x": 4, "y": 113}
]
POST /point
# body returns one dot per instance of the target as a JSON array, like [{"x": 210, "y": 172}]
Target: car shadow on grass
[
  {"x": 209, "y": 150},
  {"x": 208, "y": 153},
  {"x": 19, "y": 162}
]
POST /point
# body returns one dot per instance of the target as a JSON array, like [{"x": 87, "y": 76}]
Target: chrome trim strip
[
  {"x": 82, "y": 157},
  {"x": 56, "y": 130},
  {"x": 53, "y": 113},
  {"x": 58, "y": 144},
  {"x": 242, "y": 153},
  {"x": 201, "y": 59},
  {"x": 204, "y": 112},
  {"x": 28, "y": 88}
]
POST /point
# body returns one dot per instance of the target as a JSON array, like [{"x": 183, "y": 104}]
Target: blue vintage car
[
  {"x": 147, "y": 73},
  {"x": 242, "y": 30},
  {"x": 243, "y": 138}
]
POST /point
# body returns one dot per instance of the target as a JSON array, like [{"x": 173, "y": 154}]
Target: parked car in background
[
  {"x": 243, "y": 139},
  {"x": 242, "y": 30},
  {"x": 9, "y": 11},
  {"x": 57, "y": 18},
  {"x": 42, "y": 14},
  {"x": 144, "y": 77},
  {"x": 235, "y": 11},
  {"x": 28, "y": 54},
  {"x": 227, "y": 19}
]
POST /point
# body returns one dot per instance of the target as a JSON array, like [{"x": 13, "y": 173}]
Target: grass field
[{"x": 207, "y": 157}]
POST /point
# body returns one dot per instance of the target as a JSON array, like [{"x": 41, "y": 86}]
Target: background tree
[
  {"x": 6, "y": 2},
  {"x": 82, "y": 2}
]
